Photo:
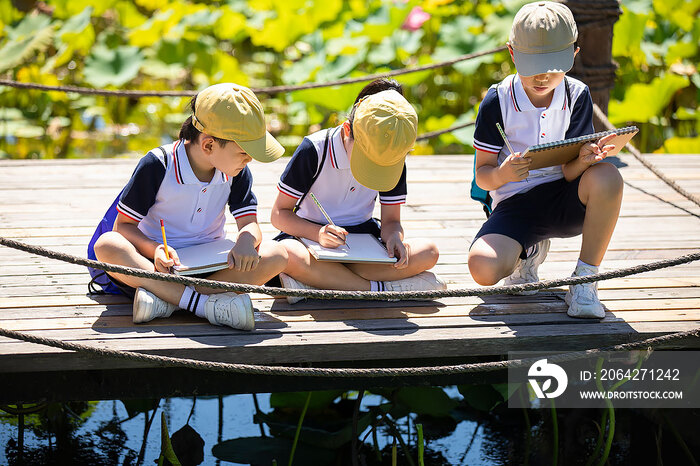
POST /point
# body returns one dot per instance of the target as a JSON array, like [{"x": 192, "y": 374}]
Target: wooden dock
[{"x": 57, "y": 204}]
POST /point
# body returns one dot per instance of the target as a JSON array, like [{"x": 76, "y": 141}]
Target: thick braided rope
[
  {"x": 638, "y": 155},
  {"x": 361, "y": 295},
  {"x": 257, "y": 369},
  {"x": 262, "y": 90}
]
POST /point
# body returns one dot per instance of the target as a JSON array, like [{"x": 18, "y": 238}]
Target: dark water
[{"x": 456, "y": 431}]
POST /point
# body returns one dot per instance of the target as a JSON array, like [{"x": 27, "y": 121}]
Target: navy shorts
[
  {"x": 371, "y": 226},
  {"x": 550, "y": 210}
]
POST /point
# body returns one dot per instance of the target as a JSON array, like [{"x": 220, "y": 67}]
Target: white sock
[
  {"x": 376, "y": 286},
  {"x": 587, "y": 267},
  {"x": 193, "y": 301}
]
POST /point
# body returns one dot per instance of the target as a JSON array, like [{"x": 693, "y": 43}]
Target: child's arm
[
  {"x": 392, "y": 234},
  {"x": 587, "y": 156},
  {"x": 284, "y": 219},
  {"x": 490, "y": 176},
  {"x": 128, "y": 228},
  {"x": 244, "y": 256}
]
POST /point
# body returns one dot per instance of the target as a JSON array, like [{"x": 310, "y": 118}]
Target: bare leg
[
  {"x": 113, "y": 248},
  {"x": 423, "y": 256},
  {"x": 318, "y": 274},
  {"x": 493, "y": 257},
  {"x": 273, "y": 261},
  {"x": 600, "y": 190}
]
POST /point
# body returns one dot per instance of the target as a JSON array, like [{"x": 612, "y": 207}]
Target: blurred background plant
[{"x": 188, "y": 45}]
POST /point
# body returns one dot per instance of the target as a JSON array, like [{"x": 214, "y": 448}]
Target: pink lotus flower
[{"x": 415, "y": 19}]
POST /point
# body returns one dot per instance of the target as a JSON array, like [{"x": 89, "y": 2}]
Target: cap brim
[
  {"x": 373, "y": 176},
  {"x": 530, "y": 64},
  {"x": 266, "y": 149}
]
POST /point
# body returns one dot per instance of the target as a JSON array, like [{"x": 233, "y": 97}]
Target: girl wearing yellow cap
[
  {"x": 184, "y": 188},
  {"x": 346, "y": 168}
]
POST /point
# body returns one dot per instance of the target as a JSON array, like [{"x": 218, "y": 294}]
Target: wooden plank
[{"x": 336, "y": 346}]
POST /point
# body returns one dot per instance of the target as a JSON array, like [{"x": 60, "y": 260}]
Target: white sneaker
[
  {"x": 424, "y": 281},
  {"x": 293, "y": 284},
  {"x": 148, "y": 306},
  {"x": 231, "y": 309},
  {"x": 526, "y": 270},
  {"x": 583, "y": 299}
]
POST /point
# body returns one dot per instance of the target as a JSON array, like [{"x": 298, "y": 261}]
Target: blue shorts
[
  {"x": 550, "y": 210},
  {"x": 371, "y": 226}
]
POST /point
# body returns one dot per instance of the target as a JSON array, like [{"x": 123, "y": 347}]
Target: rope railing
[
  {"x": 337, "y": 294},
  {"x": 262, "y": 90},
  {"x": 600, "y": 115},
  {"x": 342, "y": 372}
]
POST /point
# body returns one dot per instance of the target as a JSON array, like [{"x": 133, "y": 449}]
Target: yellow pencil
[
  {"x": 165, "y": 241},
  {"x": 325, "y": 214}
]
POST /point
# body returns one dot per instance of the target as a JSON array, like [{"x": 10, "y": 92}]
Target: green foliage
[
  {"x": 188, "y": 44},
  {"x": 265, "y": 450},
  {"x": 655, "y": 43}
]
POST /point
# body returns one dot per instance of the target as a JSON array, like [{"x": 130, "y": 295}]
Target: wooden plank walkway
[{"x": 56, "y": 204}]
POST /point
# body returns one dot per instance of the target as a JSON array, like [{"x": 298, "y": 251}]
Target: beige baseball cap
[
  {"x": 384, "y": 128},
  {"x": 542, "y": 38},
  {"x": 232, "y": 112}
]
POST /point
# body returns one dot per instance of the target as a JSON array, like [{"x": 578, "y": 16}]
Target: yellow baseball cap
[
  {"x": 385, "y": 131},
  {"x": 542, "y": 38},
  {"x": 232, "y": 112}
]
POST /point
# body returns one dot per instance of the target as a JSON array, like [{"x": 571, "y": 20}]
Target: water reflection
[{"x": 465, "y": 425}]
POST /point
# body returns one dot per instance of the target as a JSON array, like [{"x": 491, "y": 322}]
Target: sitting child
[
  {"x": 188, "y": 183},
  {"x": 346, "y": 167},
  {"x": 540, "y": 104}
]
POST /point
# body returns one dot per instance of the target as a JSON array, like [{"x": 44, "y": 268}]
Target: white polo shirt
[
  {"x": 346, "y": 201},
  {"x": 163, "y": 186},
  {"x": 569, "y": 115}
]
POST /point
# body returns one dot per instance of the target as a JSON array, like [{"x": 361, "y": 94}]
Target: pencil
[
  {"x": 323, "y": 211},
  {"x": 503, "y": 135},
  {"x": 165, "y": 241}
]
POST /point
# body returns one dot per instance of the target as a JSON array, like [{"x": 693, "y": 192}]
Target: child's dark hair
[
  {"x": 189, "y": 132},
  {"x": 378, "y": 85}
]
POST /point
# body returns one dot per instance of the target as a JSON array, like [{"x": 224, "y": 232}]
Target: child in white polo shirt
[
  {"x": 540, "y": 104},
  {"x": 346, "y": 168},
  {"x": 188, "y": 184}
]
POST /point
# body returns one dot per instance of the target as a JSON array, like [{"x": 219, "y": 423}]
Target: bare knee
[
  {"x": 484, "y": 270},
  {"x": 275, "y": 255},
  {"x": 604, "y": 180},
  {"x": 299, "y": 257},
  {"x": 427, "y": 255},
  {"x": 110, "y": 245}
]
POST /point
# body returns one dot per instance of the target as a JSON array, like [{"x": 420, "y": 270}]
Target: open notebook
[
  {"x": 564, "y": 151},
  {"x": 363, "y": 248},
  {"x": 203, "y": 258}
]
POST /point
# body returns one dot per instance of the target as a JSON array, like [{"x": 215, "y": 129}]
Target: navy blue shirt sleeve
[
  {"x": 398, "y": 194},
  {"x": 241, "y": 200},
  {"x": 140, "y": 192},
  {"x": 298, "y": 176},
  {"x": 581, "y": 122},
  {"x": 486, "y": 135}
]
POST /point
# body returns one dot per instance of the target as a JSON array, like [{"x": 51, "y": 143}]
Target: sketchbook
[
  {"x": 564, "y": 151},
  {"x": 204, "y": 258},
  {"x": 363, "y": 248}
]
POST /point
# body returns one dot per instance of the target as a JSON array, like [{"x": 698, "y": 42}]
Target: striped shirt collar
[
  {"x": 338, "y": 156},
  {"x": 183, "y": 170},
  {"x": 521, "y": 102}
]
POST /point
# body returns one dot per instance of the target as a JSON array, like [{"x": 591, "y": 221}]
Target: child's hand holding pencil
[
  {"x": 514, "y": 167},
  {"x": 165, "y": 257}
]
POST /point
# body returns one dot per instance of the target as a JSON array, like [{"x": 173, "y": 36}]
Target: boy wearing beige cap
[
  {"x": 537, "y": 105},
  {"x": 346, "y": 168},
  {"x": 188, "y": 184}
]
